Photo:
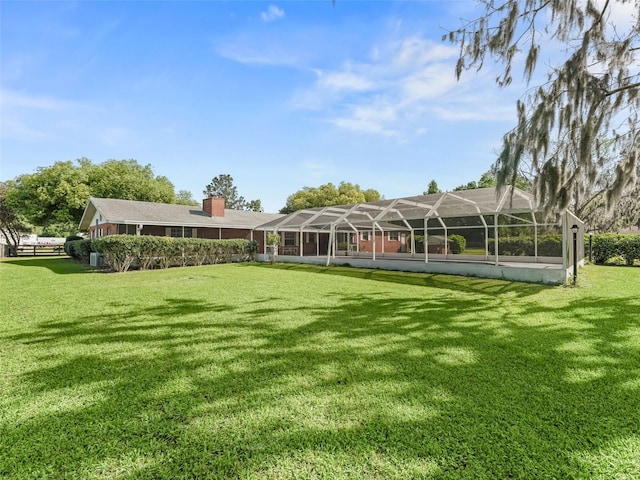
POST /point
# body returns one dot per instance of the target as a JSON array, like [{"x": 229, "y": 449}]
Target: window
[
  {"x": 187, "y": 233},
  {"x": 394, "y": 236},
  {"x": 289, "y": 238},
  {"x": 310, "y": 237},
  {"x": 365, "y": 236},
  {"x": 176, "y": 232}
]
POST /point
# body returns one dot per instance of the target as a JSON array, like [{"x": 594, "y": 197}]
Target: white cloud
[
  {"x": 400, "y": 89},
  {"x": 16, "y": 99},
  {"x": 272, "y": 13}
]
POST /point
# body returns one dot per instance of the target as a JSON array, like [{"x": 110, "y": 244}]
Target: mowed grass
[{"x": 272, "y": 371}]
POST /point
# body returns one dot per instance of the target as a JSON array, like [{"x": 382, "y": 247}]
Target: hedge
[
  {"x": 548, "y": 246},
  {"x": 79, "y": 249},
  {"x": 609, "y": 245},
  {"x": 121, "y": 252}
]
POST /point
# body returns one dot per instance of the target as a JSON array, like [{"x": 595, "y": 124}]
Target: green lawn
[{"x": 268, "y": 371}]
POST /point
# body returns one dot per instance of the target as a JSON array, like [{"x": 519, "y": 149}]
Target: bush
[
  {"x": 458, "y": 243},
  {"x": 609, "y": 245},
  {"x": 548, "y": 246},
  {"x": 121, "y": 252},
  {"x": 79, "y": 250},
  {"x": 72, "y": 238}
]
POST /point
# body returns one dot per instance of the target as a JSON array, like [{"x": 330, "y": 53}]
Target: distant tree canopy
[
  {"x": 489, "y": 179},
  {"x": 185, "y": 197},
  {"x": 432, "y": 188},
  {"x": 327, "y": 195},
  {"x": 55, "y": 197},
  {"x": 592, "y": 92},
  {"x": 222, "y": 187}
]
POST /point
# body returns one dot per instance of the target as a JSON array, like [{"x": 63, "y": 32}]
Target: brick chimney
[{"x": 213, "y": 206}]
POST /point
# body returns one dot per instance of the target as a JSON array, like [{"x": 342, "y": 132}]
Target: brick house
[{"x": 108, "y": 216}]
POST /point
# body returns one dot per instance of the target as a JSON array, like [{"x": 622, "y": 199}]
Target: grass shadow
[
  {"x": 57, "y": 265},
  {"x": 431, "y": 280},
  {"x": 443, "y": 383}
]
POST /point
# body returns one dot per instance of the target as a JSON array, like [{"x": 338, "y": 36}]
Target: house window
[
  {"x": 176, "y": 232},
  {"x": 310, "y": 237},
  {"x": 394, "y": 236},
  {"x": 187, "y": 233},
  {"x": 366, "y": 236},
  {"x": 289, "y": 238}
]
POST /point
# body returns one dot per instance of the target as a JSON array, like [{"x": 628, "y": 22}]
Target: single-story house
[{"x": 109, "y": 216}]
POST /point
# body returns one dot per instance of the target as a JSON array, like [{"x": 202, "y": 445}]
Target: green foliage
[
  {"x": 55, "y": 197},
  {"x": 432, "y": 188},
  {"x": 609, "y": 245},
  {"x": 222, "y": 187},
  {"x": 79, "y": 248},
  {"x": 55, "y": 194},
  {"x": 457, "y": 243},
  {"x": 185, "y": 197},
  {"x": 121, "y": 252},
  {"x": 67, "y": 243},
  {"x": 128, "y": 180},
  {"x": 273, "y": 239},
  {"x": 12, "y": 222},
  {"x": 548, "y": 246},
  {"x": 326, "y": 195},
  {"x": 489, "y": 179}
]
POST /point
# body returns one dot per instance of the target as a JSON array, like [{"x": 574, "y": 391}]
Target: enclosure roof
[{"x": 482, "y": 201}]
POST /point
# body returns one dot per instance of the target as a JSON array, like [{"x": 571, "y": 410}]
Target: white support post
[
  {"x": 535, "y": 236},
  {"x": 486, "y": 239},
  {"x": 264, "y": 243},
  {"x": 373, "y": 230},
  {"x": 426, "y": 242},
  {"x": 301, "y": 243},
  {"x": 495, "y": 238},
  {"x": 330, "y": 243}
]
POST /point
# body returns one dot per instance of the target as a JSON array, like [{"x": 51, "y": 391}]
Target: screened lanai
[{"x": 482, "y": 231}]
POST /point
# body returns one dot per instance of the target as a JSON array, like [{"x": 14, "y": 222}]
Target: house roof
[
  {"x": 482, "y": 201},
  {"x": 131, "y": 212}
]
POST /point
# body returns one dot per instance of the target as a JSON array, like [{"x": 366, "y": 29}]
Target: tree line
[{"x": 51, "y": 200}]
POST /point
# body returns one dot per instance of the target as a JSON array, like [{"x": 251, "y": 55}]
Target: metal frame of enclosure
[{"x": 484, "y": 215}]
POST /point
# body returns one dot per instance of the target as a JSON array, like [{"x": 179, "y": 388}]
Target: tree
[
  {"x": 55, "y": 197},
  {"x": 326, "y": 195},
  {"x": 589, "y": 201},
  {"x": 52, "y": 195},
  {"x": 222, "y": 187},
  {"x": 592, "y": 93},
  {"x": 489, "y": 179},
  {"x": 12, "y": 224},
  {"x": 128, "y": 180},
  {"x": 185, "y": 197},
  {"x": 432, "y": 188}
]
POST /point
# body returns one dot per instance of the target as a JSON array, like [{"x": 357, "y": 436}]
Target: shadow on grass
[
  {"x": 432, "y": 280},
  {"x": 374, "y": 386},
  {"x": 58, "y": 265}
]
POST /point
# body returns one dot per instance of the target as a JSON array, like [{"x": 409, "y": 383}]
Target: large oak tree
[{"x": 593, "y": 92}]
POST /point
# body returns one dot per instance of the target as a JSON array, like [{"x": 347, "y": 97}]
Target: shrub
[
  {"x": 548, "y": 246},
  {"x": 68, "y": 240},
  {"x": 458, "y": 243},
  {"x": 79, "y": 249},
  {"x": 609, "y": 245},
  {"x": 121, "y": 252}
]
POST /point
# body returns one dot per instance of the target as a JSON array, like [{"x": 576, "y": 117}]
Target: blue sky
[{"x": 280, "y": 95}]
